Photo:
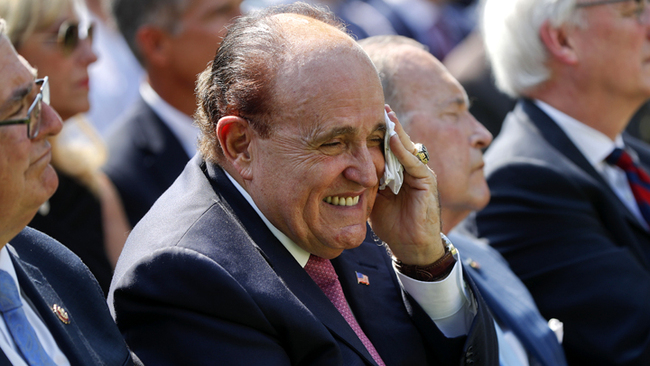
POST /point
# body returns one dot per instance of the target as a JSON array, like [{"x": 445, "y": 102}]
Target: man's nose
[
  {"x": 363, "y": 168},
  {"x": 51, "y": 123},
  {"x": 481, "y": 137}
]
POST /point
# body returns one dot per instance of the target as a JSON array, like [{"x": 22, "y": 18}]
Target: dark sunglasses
[{"x": 70, "y": 34}]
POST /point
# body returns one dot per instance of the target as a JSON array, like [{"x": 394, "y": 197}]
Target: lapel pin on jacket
[
  {"x": 362, "y": 279},
  {"x": 61, "y": 314}
]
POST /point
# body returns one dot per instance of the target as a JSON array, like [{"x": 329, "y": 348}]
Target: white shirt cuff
[{"x": 447, "y": 302}]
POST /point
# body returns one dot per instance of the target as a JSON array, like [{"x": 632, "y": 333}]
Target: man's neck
[
  {"x": 601, "y": 111},
  {"x": 175, "y": 93}
]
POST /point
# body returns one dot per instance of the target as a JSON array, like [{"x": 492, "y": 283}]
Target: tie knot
[
  {"x": 9, "y": 298},
  {"x": 321, "y": 271},
  {"x": 620, "y": 158}
]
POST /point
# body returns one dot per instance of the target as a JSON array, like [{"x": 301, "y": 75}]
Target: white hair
[{"x": 512, "y": 42}]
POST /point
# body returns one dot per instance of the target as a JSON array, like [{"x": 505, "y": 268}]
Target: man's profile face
[
  {"x": 26, "y": 177},
  {"x": 326, "y": 147},
  {"x": 613, "y": 49},
  {"x": 436, "y": 114}
]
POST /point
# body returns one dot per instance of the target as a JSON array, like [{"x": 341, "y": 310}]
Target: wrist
[{"x": 435, "y": 271}]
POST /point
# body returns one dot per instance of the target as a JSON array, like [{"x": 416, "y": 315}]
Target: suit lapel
[
  {"x": 43, "y": 297},
  {"x": 508, "y": 299},
  {"x": 528, "y": 112},
  {"x": 554, "y": 135},
  {"x": 163, "y": 154},
  {"x": 284, "y": 265}
]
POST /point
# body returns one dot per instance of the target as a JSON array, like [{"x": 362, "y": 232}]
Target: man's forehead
[{"x": 16, "y": 75}]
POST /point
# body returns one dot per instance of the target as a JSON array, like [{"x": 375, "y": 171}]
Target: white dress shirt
[
  {"x": 595, "y": 147},
  {"x": 181, "y": 125},
  {"x": 44, "y": 336},
  {"x": 448, "y": 302}
]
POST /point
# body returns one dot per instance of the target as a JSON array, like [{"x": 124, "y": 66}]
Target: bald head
[{"x": 267, "y": 64}]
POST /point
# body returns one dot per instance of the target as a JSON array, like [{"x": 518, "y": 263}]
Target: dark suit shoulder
[
  {"x": 145, "y": 157},
  {"x": 50, "y": 274}
]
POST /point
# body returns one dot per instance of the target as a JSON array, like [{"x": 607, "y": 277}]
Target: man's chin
[{"x": 351, "y": 236}]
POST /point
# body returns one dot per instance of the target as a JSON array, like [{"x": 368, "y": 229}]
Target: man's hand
[{"x": 409, "y": 222}]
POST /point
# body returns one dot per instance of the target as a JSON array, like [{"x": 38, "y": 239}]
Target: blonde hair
[
  {"x": 24, "y": 17},
  {"x": 77, "y": 151}
]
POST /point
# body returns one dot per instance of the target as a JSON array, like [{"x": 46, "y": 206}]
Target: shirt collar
[
  {"x": 298, "y": 253},
  {"x": 7, "y": 265},
  {"x": 593, "y": 144},
  {"x": 181, "y": 125}
]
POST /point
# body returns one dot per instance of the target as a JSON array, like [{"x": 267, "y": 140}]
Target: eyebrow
[
  {"x": 16, "y": 97},
  {"x": 345, "y": 130}
]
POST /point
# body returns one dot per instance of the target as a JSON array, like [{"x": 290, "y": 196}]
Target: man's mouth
[{"x": 341, "y": 201}]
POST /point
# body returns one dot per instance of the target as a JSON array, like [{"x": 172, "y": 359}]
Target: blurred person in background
[
  {"x": 174, "y": 40},
  {"x": 116, "y": 76},
  {"x": 85, "y": 213},
  {"x": 569, "y": 208},
  {"x": 434, "y": 107},
  {"x": 52, "y": 311}
]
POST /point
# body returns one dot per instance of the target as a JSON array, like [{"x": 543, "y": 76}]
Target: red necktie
[
  {"x": 323, "y": 273},
  {"x": 637, "y": 177}
]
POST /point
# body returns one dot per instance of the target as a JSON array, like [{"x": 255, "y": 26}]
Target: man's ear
[
  {"x": 558, "y": 43},
  {"x": 153, "y": 43},
  {"x": 235, "y": 136}
]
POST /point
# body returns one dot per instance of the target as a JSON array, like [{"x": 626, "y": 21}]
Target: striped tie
[
  {"x": 637, "y": 177},
  {"x": 323, "y": 273}
]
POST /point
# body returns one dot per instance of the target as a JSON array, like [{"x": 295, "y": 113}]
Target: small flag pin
[{"x": 362, "y": 279}]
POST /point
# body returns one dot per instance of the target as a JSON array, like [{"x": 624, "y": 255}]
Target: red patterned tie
[
  {"x": 323, "y": 273},
  {"x": 637, "y": 177}
]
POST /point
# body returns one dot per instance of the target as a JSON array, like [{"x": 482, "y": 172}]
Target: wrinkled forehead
[
  {"x": 320, "y": 61},
  {"x": 15, "y": 71}
]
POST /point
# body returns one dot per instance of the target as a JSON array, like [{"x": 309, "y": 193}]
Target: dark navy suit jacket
[
  {"x": 579, "y": 250},
  {"x": 202, "y": 280},
  {"x": 145, "y": 158},
  {"x": 508, "y": 299},
  {"x": 49, "y": 274}
]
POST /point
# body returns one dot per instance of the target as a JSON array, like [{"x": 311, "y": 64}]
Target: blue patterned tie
[
  {"x": 637, "y": 177},
  {"x": 21, "y": 330}
]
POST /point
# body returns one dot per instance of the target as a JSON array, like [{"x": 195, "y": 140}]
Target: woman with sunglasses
[{"x": 85, "y": 213}]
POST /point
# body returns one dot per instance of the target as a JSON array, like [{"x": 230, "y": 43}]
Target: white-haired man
[{"x": 563, "y": 212}]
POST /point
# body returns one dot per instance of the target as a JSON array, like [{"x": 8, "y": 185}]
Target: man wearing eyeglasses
[
  {"x": 52, "y": 310},
  {"x": 569, "y": 208},
  {"x": 152, "y": 142}
]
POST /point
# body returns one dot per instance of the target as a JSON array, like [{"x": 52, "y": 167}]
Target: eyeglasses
[
  {"x": 70, "y": 34},
  {"x": 33, "y": 119},
  {"x": 640, "y": 7}
]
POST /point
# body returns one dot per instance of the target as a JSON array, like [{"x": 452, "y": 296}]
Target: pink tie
[{"x": 322, "y": 272}]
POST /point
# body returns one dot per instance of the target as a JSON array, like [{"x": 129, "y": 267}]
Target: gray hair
[
  {"x": 382, "y": 52},
  {"x": 240, "y": 80},
  {"x": 131, "y": 15},
  {"x": 512, "y": 42}
]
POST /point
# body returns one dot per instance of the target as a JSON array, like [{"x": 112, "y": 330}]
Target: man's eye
[{"x": 331, "y": 144}]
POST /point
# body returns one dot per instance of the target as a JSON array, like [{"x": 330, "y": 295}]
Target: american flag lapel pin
[{"x": 362, "y": 279}]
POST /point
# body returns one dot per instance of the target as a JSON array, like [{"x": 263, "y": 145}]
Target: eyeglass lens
[{"x": 34, "y": 111}]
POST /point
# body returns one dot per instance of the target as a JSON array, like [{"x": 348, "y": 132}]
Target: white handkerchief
[{"x": 394, "y": 171}]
